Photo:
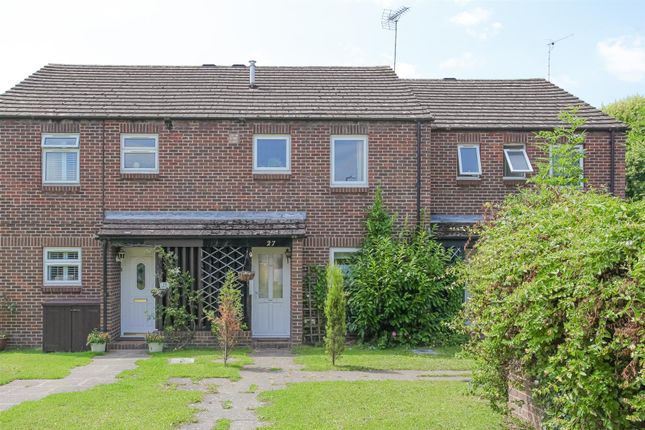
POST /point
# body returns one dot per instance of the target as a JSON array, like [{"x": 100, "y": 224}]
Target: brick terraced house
[{"x": 269, "y": 170}]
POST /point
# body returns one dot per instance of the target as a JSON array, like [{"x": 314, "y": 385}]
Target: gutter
[{"x": 105, "y": 288}]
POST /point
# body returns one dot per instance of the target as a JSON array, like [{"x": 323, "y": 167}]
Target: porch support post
[
  {"x": 106, "y": 245},
  {"x": 297, "y": 288}
]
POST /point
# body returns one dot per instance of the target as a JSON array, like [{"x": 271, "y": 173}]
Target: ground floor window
[
  {"x": 341, "y": 257},
  {"x": 62, "y": 266}
]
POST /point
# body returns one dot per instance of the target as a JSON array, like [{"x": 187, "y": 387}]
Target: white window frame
[
  {"x": 334, "y": 251},
  {"x": 518, "y": 175},
  {"x": 479, "y": 161},
  {"x": 57, "y": 149},
  {"x": 364, "y": 182},
  {"x": 140, "y": 150},
  {"x": 258, "y": 169},
  {"x": 580, "y": 148},
  {"x": 47, "y": 262},
  {"x": 526, "y": 157}
]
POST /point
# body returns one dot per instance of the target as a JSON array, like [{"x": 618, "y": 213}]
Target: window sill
[
  {"x": 140, "y": 176},
  {"x": 510, "y": 179},
  {"x": 61, "y": 188},
  {"x": 271, "y": 176},
  {"x": 350, "y": 190},
  {"x": 55, "y": 289},
  {"x": 469, "y": 178}
]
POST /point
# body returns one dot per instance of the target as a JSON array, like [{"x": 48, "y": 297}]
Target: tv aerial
[
  {"x": 390, "y": 21},
  {"x": 550, "y": 46}
]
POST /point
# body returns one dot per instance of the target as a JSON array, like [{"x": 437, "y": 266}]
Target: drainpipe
[
  {"x": 105, "y": 287},
  {"x": 418, "y": 174},
  {"x": 612, "y": 162}
]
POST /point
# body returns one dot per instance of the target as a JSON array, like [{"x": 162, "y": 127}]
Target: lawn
[
  {"x": 364, "y": 358},
  {"x": 33, "y": 364},
  {"x": 399, "y": 405},
  {"x": 141, "y": 398}
]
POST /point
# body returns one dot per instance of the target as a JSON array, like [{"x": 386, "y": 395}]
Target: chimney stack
[{"x": 252, "y": 74}]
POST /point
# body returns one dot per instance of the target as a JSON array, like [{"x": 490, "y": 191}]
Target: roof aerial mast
[
  {"x": 390, "y": 21},
  {"x": 550, "y": 46}
]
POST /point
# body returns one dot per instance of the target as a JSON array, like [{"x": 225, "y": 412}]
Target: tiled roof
[
  {"x": 512, "y": 104},
  {"x": 77, "y": 91},
  {"x": 191, "y": 224}
]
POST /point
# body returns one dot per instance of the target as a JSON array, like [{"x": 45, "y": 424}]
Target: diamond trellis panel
[{"x": 216, "y": 263}]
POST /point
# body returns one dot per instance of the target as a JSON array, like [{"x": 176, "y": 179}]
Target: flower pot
[
  {"x": 245, "y": 275},
  {"x": 98, "y": 347},
  {"x": 155, "y": 347},
  {"x": 3, "y": 343}
]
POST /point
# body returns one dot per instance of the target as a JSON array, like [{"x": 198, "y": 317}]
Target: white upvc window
[
  {"x": 341, "y": 257},
  {"x": 139, "y": 153},
  {"x": 271, "y": 153},
  {"x": 348, "y": 161},
  {"x": 469, "y": 160},
  {"x": 62, "y": 266},
  {"x": 553, "y": 158},
  {"x": 516, "y": 161},
  {"x": 60, "y": 158}
]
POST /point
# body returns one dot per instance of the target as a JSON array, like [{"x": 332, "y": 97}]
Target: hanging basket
[{"x": 245, "y": 276}]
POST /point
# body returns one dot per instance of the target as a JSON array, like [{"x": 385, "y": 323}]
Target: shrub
[
  {"x": 155, "y": 337},
  {"x": 400, "y": 290},
  {"x": 97, "y": 336},
  {"x": 556, "y": 291},
  {"x": 335, "y": 330},
  {"x": 227, "y": 324}
]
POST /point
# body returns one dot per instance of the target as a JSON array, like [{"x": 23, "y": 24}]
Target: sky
[{"x": 603, "y": 60}]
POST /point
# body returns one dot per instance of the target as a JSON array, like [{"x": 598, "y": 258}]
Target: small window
[
  {"x": 60, "y": 159},
  {"x": 553, "y": 157},
  {"x": 141, "y": 276},
  {"x": 62, "y": 266},
  {"x": 516, "y": 161},
  {"x": 349, "y": 161},
  {"x": 139, "y": 153},
  {"x": 271, "y": 154},
  {"x": 342, "y": 257},
  {"x": 469, "y": 162}
]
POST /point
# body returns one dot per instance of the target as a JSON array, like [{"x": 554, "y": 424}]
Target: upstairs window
[
  {"x": 271, "y": 154},
  {"x": 139, "y": 153},
  {"x": 516, "y": 161},
  {"x": 60, "y": 159},
  {"x": 349, "y": 161},
  {"x": 469, "y": 160},
  {"x": 62, "y": 266}
]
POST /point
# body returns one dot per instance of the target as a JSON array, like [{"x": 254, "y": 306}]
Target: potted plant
[
  {"x": 155, "y": 341},
  {"x": 245, "y": 275},
  {"x": 3, "y": 340},
  {"x": 97, "y": 340}
]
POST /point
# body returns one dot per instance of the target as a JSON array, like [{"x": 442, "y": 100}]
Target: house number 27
[{"x": 270, "y": 242}]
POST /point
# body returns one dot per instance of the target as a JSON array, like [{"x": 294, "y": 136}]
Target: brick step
[
  {"x": 124, "y": 344},
  {"x": 271, "y": 343}
]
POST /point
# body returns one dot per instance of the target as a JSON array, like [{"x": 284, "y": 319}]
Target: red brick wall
[{"x": 207, "y": 165}]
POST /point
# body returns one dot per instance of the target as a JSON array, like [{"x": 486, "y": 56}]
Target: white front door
[
  {"x": 137, "y": 282},
  {"x": 271, "y": 293}
]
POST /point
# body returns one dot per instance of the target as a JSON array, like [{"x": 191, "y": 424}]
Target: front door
[
  {"x": 271, "y": 293},
  {"x": 137, "y": 301}
]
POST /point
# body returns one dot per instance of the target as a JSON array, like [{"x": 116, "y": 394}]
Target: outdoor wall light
[
  {"x": 120, "y": 255},
  {"x": 287, "y": 253}
]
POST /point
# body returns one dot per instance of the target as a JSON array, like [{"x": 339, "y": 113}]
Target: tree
[
  {"x": 631, "y": 111},
  {"x": 335, "y": 305},
  {"x": 562, "y": 164},
  {"x": 226, "y": 325}
]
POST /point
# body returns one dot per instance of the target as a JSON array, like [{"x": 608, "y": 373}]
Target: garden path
[
  {"x": 273, "y": 370},
  {"x": 101, "y": 370}
]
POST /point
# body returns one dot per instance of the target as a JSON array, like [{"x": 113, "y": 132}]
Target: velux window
[
  {"x": 62, "y": 266},
  {"x": 271, "y": 154},
  {"x": 516, "y": 161},
  {"x": 469, "y": 160},
  {"x": 60, "y": 160},
  {"x": 139, "y": 153},
  {"x": 349, "y": 161}
]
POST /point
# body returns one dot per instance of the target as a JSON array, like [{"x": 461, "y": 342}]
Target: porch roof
[{"x": 202, "y": 224}]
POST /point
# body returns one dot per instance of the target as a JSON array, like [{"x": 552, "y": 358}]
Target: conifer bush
[
  {"x": 335, "y": 328},
  {"x": 228, "y": 321}
]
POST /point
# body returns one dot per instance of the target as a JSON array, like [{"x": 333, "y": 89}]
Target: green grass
[
  {"x": 33, "y": 364},
  {"x": 141, "y": 398},
  {"x": 252, "y": 388},
  {"x": 363, "y": 358},
  {"x": 222, "y": 424},
  {"x": 397, "y": 405}
]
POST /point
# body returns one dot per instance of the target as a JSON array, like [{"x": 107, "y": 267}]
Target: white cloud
[
  {"x": 463, "y": 61},
  {"x": 471, "y": 17},
  {"x": 624, "y": 57},
  {"x": 497, "y": 25},
  {"x": 406, "y": 71}
]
